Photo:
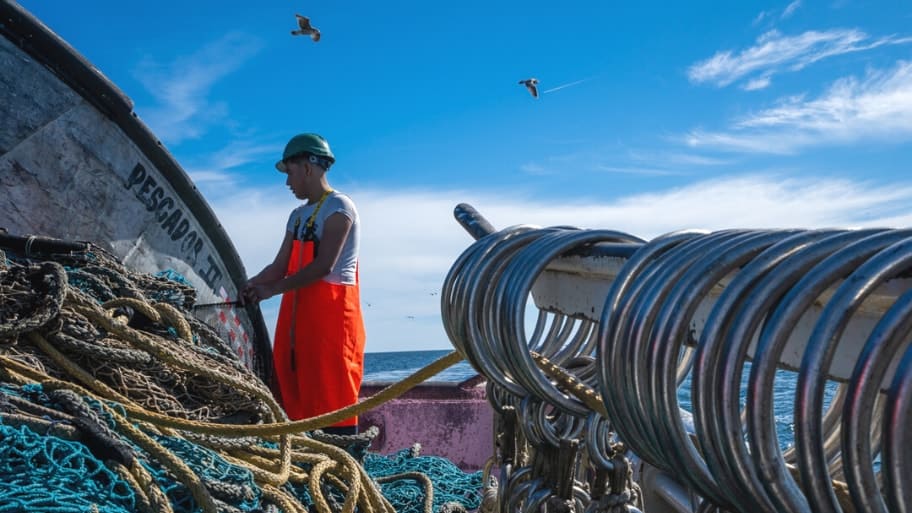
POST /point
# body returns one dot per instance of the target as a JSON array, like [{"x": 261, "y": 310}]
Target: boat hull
[
  {"x": 76, "y": 163},
  {"x": 449, "y": 420}
]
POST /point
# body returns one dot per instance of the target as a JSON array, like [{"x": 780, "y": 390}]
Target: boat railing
[{"x": 748, "y": 330}]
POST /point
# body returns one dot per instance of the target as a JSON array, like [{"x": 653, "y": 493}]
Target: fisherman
[{"x": 318, "y": 354}]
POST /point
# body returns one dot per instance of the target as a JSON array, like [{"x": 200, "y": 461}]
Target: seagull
[
  {"x": 530, "y": 84},
  {"x": 306, "y": 29}
]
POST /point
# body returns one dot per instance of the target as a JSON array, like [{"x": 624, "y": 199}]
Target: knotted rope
[{"x": 111, "y": 366}]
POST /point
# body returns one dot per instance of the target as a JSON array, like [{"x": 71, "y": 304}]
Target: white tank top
[{"x": 344, "y": 272}]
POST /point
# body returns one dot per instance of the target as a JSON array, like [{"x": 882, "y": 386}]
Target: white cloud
[
  {"x": 790, "y": 9},
  {"x": 636, "y": 170},
  {"x": 215, "y": 169},
  {"x": 755, "y": 84},
  {"x": 410, "y": 238},
  {"x": 651, "y": 162},
  {"x": 211, "y": 177},
  {"x": 182, "y": 88},
  {"x": 776, "y": 53},
  {"x": 535, "y": 169},
  {"x": 661, "y": 158},
  {"x": 876, "y": 107},
  {"x": 239, "y": 153},
  {"x": 769, "y": 14}
]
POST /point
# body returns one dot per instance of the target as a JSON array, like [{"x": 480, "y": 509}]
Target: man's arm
[{"x": 335, "y": 231}]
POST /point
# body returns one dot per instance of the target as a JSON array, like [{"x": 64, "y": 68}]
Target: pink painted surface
[{"x": 451, "y": 420}]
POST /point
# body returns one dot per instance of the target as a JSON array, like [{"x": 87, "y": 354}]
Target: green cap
[{"x": 311, "y": 144}]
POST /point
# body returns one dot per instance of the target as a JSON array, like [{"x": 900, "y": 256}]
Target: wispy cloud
[
  {"x": 675, "y": 159},
  {"x": 878, "y": 106},
  {"x": 201, "y": 176},
  {"x": 182, "y": 88},
  {"x": 564, "y": 86},
  {"x": 410, "y": 239},
  {"x": 239, "y": 153},
  {"x": 776, "y": 53},
  {"x": 218, "y": 168},
  {"x": 755, "y": 84},
  {"x": 639, "y": 171},
  {"x": 790, "y": 9},
  {"x": 535, "y": 169},
  {"x": 770, "y": 14},
  {"x": 652, "y": 162}
]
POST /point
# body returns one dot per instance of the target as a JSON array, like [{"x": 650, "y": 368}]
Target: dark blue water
[{"x": 395, "y": 366}]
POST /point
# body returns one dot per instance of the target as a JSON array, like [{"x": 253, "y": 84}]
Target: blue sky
[{"x": 652, "y": 118}]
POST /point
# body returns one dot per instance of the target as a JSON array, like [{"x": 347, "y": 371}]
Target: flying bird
[
  {"x": 306, "y": 29},
  {"x": 531, "y": 84}
]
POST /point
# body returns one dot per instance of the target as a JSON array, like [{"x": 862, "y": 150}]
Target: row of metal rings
[
  {"x": 485, "y": 299},
  {"x": 646, "y": 345}
]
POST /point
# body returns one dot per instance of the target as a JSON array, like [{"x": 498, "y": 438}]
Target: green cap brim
[{"x": 280, "y": 165}]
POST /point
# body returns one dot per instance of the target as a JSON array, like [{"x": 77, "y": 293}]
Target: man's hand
[
  {"x": 255, "y": 293},
  {"x": 248, "y": 293}
]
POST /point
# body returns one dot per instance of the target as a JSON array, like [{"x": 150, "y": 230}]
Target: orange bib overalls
[{"x": 319, "y": 342}]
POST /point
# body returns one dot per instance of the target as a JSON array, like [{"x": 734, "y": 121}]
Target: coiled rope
[{"x": 115, "y": 398}]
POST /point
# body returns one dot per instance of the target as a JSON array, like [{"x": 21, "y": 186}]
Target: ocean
[{"x": 395, "y": 366}]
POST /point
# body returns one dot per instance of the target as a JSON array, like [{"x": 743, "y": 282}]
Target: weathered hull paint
[
  {"x": 450, "y": 420},
  {"x": 76, "y": 163}
]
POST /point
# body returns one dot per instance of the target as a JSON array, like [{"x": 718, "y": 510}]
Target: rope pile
[{"x": 115, "y": 398}]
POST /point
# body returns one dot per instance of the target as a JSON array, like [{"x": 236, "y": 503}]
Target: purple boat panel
[{"x": 450, "y": 420}]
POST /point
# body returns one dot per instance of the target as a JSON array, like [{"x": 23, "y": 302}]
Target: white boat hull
[{"x": 76, "y": 163}]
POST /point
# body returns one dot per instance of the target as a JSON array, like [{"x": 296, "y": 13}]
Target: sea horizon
[{"x": 391, "y": 366}]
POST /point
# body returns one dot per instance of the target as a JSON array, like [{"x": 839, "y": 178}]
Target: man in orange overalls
[{"x": 318, "y": 352}]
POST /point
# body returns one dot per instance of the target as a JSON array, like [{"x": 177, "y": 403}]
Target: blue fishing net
[
  {"x": 227, "y": 482},
  {"x": 174, "y": 276},
  {"x": 47, "y": 474},
  {"x": 44, "y": 473},
  {"x": 450, "y": 483}
]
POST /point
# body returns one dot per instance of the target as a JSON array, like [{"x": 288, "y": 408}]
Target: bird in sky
[
  {"x": 531, "y": 84},
  {"x": 306, "y": 29}
]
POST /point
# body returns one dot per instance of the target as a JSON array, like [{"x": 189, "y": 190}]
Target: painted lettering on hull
[{"x": 174, "y": 221}]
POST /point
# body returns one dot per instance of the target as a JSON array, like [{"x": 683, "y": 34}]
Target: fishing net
[
  {"x": 404, "y": 476},
  {"x": 114, "y": 397}
]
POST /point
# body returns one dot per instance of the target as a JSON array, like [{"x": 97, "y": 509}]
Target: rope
[
  {"x": 113, "y": 366},
  {"x": 583, "y": 392}
]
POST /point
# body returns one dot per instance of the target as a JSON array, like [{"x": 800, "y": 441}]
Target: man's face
[{"x": 298, "y": 171}]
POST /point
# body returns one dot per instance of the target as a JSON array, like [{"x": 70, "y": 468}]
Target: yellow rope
[
  {"x": 178, "y": 468},
  {"x": 583, "y": 392},
  {"x": 40, "y": 426},
  {"x": 362, "y": 491},
  {"x": 176, "y": 318},
  {"x": 136, "y": 304},
  {"x": 280, "y": 498},
  {"x": 290, "y": 427},
  {"x": 314, "y": 486},
  {"x": 169, "y": 460},
  {"x": 184, "y": 360},
  {"x": 271, "y": 468},
  {"x": 423, "y": 479}
]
